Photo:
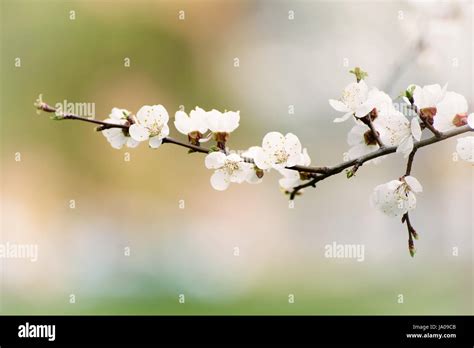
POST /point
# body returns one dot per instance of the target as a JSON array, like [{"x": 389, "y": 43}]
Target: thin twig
[
  {"x": 411, "y": 234},
  {"x": 426, "y": 122},
  {"x": 104, "y": 125},
  {"x": 410, "y": 161},
  {"x": 369, "y": 122},
  {"x": 187, "y": 145}
]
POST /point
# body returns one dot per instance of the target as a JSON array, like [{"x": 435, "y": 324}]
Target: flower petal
[
  {"x": 356, "y": 135},
  {"x": 414, "y": 184},
  {"x": 165, "y": 131},
  {"x": 132, "y": 142},
  {"x": 470, "y": 120},
  {"x": 182, "y": 122},
  {"x": 234, "y": 158},
  {"x": 415, "y": 128},
  {"x": 118, "y": 141},
  {"x": 231, "y": 120},
  {"x": 215, "y": 160},
  {"x": 273, "y": 141},
  {"x": 251, "y": 177},
  {"x": 343, "y": 118},
  {"x": 304, "y": 160},
  {"x": 292, "y": 145},
  {"x": 138, "y": 132},
  {"x": 411, "y": 201},
  {"x": 262, "y": 159},
  {"x": 251, "y": 152},
  {"x": 219, "y": 180},
  {"x": 406, "y": 146},
  {"x": 338, "y": 105},
  {"x": 160, "y": 114},
  {"x": 155, "y": 142},
  {"x": 465, "y": 148},
  {"x": 118, "y": 114}
]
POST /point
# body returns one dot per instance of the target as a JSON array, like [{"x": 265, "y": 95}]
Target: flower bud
[
  {"x": 194, "y": 138},
  {"x": 411, "y": 248},
  {"x": 460, "y": 120}
]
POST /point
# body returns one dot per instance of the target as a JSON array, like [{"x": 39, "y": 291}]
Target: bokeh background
[{"x": 301, "y": 62}]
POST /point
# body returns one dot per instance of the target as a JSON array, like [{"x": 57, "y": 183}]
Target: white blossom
[
  {"x": 151, "y": 123},
  {"x": 225, "y": 122},
  {"x": 392, "y": 127},
  {"x": 292, "y": 178},
  {"x": 278, "y": 151},
  {"x": 227, "y": 169},
  {"x": 378, "y": 100},
  {"x": 451, "y": 112},
  {"x": 411, "y": 133},
  {"x": 353, "y": 97},
  {"x": 428, "y": 96},
  {"x": 465, "y": 148},
  {"x": 252, "y": 176},
  {"x": 118, "y": 137},
  {"x": 396, "y": 197},
  {"x": 470, "y": 120},
  {"x": 195, "y": 122},
  {"x": 362, "y": 142}
]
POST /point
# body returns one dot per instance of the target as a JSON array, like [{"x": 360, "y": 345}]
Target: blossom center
[
  {"x": 369, "y": 138},
  {"x": 373, "y": 114},
  {"x": 350, "y": 97},
  {"x": 460, "y": 119},
  {"x": 230, "y": 167},
  {"x": 155, "y": 129},
  {"x": 281, "y": 156},
  {"x": 428, "y": 114}
]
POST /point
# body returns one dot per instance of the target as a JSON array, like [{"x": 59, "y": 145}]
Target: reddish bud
[{"x": 460, "y": 120}]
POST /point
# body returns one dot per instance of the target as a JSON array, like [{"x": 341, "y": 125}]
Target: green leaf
[
  {"x": 214, "y": 148},
  {"x": 56, "y": 117},
  {"x": 359, "y": 73}
]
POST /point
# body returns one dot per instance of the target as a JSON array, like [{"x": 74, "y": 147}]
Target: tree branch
[
  {"x": 410, "y": 161},
  {"x": 187, "y": 145},
  {"x": 317, "y": 173},
  {"x": 411, "y": 234},
  {"x": 106, "y": 125},
  {"x": 367, "y": 120},
  {"x": 426, "y": 122},
  {"x": 379, "y": 153}
]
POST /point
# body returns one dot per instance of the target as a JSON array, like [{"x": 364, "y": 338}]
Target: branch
[
  {"x": 106, "y": 125},
  {"x": 410, "y": 161},
  {"x": 379, "y": 153},
  {"x": 406, "y": 218},
  {"x": 367, "y": 120},
  {"x": 411, "y": 234},
  {"x": 316, "y": 173},
  {"x": 426, "y": 122},
  {"x": 187, "y": 145}
]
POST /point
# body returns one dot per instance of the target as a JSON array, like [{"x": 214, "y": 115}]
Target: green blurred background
[{"x": 301, "y": 62}]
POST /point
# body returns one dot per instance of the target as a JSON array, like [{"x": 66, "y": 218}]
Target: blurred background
[{"x": 289, "y": 53}]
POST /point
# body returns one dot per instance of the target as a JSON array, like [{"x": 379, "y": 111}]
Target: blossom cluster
[
  {"x": 151, "y": 124},
  {"x": 379, "y": 128},
  {"x": 378, "y": 122}
]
